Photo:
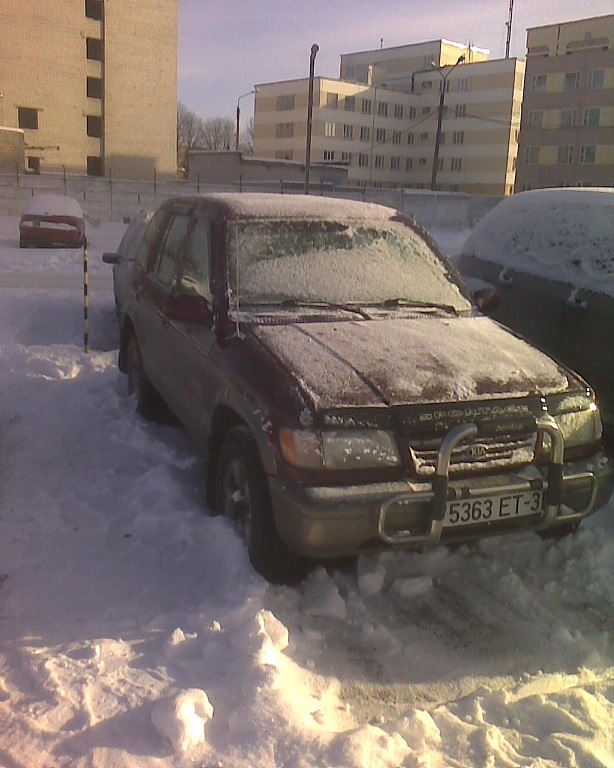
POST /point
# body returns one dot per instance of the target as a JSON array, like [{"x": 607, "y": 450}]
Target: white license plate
[{"x": 485, "y": 509}]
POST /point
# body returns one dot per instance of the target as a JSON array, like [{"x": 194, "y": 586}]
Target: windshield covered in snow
[{"x": 361, "y": 263}]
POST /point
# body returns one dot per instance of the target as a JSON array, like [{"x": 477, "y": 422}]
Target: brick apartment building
[{"x": 92, "y": 84}]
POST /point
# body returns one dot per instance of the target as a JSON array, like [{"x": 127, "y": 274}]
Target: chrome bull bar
[{"x": 552, "y": 487}]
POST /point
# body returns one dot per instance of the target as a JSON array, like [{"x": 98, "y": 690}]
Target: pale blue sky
[{"x": 226, "y": 46}]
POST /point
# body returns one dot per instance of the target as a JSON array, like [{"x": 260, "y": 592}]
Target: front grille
[{"x": 483, "y": 454}]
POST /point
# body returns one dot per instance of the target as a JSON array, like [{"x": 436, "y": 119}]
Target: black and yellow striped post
[{"x": 86, "y": 326}]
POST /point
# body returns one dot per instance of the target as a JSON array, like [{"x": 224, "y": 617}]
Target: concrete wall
[
  {"x": 104, "y": 200},
  {"x": 12, "y": 154}
]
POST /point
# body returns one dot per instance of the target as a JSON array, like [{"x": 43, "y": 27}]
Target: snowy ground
[{"x": 133, "y": 631}]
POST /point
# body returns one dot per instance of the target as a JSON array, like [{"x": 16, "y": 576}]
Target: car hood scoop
[{"x": 410, "y": 361}]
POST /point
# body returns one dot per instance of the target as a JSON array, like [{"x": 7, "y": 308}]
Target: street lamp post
[
  {"x": 312, "y": 63},
  {"x": 243, "y": 95},
  {"x": 442, "y": 97}
]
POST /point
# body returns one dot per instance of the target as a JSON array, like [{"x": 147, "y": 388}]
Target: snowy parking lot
[{"x": 134, "y": 632}]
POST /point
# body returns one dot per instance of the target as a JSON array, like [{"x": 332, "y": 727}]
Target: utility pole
[
  {"x": 508, "y": 24},
  {"x": 312, "y": 61}
]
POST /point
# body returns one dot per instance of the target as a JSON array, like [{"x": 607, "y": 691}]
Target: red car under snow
[{"x": 52, "y": 221}]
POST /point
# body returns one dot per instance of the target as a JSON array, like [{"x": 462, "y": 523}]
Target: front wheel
[
  {"x": 148, "y": 401},
  {"x": 242, "y": 493}
]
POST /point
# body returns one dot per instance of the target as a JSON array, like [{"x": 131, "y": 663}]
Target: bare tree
[
  {"x": 189, "y": 127},
  {"x": 246, "y": 141},
  {"x": 218, "y": 133}
]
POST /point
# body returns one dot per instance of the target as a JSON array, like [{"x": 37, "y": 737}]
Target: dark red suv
[{"x": 348, "y": 394}]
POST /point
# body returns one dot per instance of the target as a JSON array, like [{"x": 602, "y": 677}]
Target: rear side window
[
  {"x": 195, "y": 268},
  {"x": 166, "y": 257}
]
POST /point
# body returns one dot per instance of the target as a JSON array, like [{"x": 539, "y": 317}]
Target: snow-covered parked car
[
  {"x": 550, "y": 254},
  {"x": 122, "y": 259},
  {"x": 50, "y": 220},
  {"x": 347, "y": 393}
]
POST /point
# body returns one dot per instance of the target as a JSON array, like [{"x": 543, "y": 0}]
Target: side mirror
[
  {"x": 486, "y": 300},
  {"x": 188, "y": 308},
  {"x": 111, "y": 258}
]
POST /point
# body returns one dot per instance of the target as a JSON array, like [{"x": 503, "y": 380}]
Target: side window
[
  {"x": 195, "y": 269},
  {"x": 165, "y": 258},
  {"x": 149, "y": 237}
]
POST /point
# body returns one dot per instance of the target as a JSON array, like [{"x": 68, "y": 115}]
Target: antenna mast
[{"x": 508, "y": 24}]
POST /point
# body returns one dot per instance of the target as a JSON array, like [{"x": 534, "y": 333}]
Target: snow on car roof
[
  {"x": 563, "y": 234},
  {"x": 268, "y": 205},
  {"x": 53, "y": 205}
]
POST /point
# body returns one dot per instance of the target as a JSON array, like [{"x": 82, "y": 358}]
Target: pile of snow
[
  {"x": 49, "y": 204},
  {"x": 562, "y": 234},
  {"x": 135, "y": 634}
]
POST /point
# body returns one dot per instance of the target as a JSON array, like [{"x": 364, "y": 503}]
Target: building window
[
  {"x": 380, "y": 161},
  {"x": 94, "y": 88},
  {"x": 538, "y": 84},
  {"x": 426, "y": 85},
  {"x": 398, "y": 110},
  {"x": 409, "y": 163},
  {"x": 591, "y": 117},
  {"x": 396, "y": 137},
  {"x": 569, "y": 118},
  {"x": 346, "y": 157},
  {"x": 463, "y": 84},
  {"x": 348, "y": 131},
  {"x": 329, "y": 130},
  {"x": 93, "y": 48},
  {"x": 283, "y": 154},
  {"x": 422, "y": 161},
  {"x": 572, "y": 81},
  {"x": 456, "y": 164},
  {"x": 27, "y": 118},
  {"x": 285, "y": 102},
  {"x": 424, "y": 136},
  {"x": 458, "y": 137},
  {"x": 365, "y": 133},
  {"x": 94, "y": 165},
  {"x": 93, "y": 9},
  {"x": 366, "y": 106},
  {"x": 350, "y": 103},
  {"x": 329, "y": 154},
  {"x": 395, "y": 163},
  {"x": 426, "y": 110},
  {"x": 442, "y": 137},
  {"x": 565, "y": 155},
  {"x": 460, "y": 110},
  {"x": 536, "y": 118},
  {"x": 411, "y": 137},
  {"x": 380, "y": 136},
  {"x": 363, "y": 160},
  {"x": 94, "y": 126},
  {"x": 531, "y": 155},
  {"x": 34, "y": 164},
  {"x": 382, "y": 109},
  {"x": 332, "y": 100},
  {"x": 596, "y": 79},
  {"x": 412, "y": 113},
  {"x": 588, "y": 154},
  {"x": 284, "y": 130}
]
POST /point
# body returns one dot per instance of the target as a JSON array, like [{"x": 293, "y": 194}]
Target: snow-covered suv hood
[{"x": 411, "y": 360}]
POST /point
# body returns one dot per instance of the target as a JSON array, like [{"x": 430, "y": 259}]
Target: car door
[
  {"x": 197, "y": 372},
  {"x": 154, "y": 331}
]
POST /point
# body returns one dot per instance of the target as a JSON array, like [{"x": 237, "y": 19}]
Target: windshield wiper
[
  {"x": 325, "y": 305},
  {"x": 401, "y": 302}
]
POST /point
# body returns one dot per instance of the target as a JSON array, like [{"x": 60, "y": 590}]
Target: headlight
[
  {"x": 339, "y": 449},
  {"x": 580, "y": 427}
]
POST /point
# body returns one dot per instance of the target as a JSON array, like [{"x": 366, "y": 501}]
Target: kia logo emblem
[{"x": 476, "y": 451}]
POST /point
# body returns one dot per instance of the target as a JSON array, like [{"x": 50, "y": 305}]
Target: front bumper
[{"x": 325, "y": 522}]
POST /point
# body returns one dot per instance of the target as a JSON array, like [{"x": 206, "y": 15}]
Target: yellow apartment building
[
  {"x": 92, "y": 84},
  {"x": 382, "y": 118},
  {"x": 567, "y": 129}
]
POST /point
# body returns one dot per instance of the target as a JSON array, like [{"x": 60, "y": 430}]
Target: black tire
[
  {"x": 560, "y": 531},
  {"x": 148, "y": 401},
  {"x": 242, "y": 493}
]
